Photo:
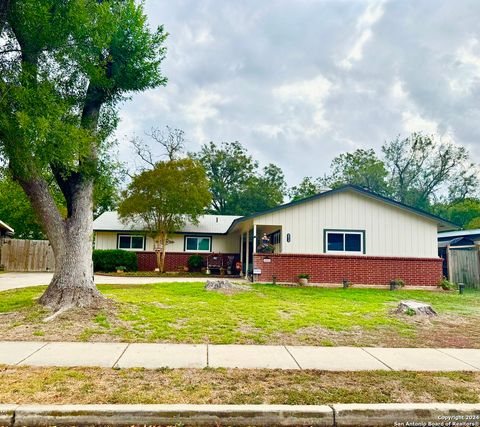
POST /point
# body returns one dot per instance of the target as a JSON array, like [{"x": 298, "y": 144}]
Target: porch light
[{"x": 289, "y": 237}]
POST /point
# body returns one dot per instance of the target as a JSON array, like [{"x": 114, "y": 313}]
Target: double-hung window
[
  {"x": 344, "y": 241},
  {"x": 198, "y": 244},
  {"x": 131, "y": 242}
]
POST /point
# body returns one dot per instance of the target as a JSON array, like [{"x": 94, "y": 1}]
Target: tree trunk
[
  {"x": 71, "y": 239},
  {"x": 72, "y": 284},
  {"x": 164, "y": 251},
  {"x": 160, "y": 251}
]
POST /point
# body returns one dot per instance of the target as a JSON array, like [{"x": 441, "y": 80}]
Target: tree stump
[
  {"x": 415, "y": 307},
  {"x": 224, "y": 286}
]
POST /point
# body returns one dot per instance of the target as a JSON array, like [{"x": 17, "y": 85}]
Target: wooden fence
[
  {"x": 464, "y": 266},
  {"x": 27, "y": 255}
]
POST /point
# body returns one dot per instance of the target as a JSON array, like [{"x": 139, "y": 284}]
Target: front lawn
[
  {"x": 185, "y": 312},
  {"x": 232, "y": 386}
]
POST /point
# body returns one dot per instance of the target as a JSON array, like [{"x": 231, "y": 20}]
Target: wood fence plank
[{"x": 27, "y": 255}]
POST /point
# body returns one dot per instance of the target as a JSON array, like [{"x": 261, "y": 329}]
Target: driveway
[{"x": 24, "y": 280}]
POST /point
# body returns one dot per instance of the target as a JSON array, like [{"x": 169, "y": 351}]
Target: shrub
[
  {"x": 397, "y": 284},
  {"x": 266, "y": 248},
  {"x": 195, "y": 262},
  {"x": 446, "y": 285},
  {"x": 108, "y": 260},
  {"x": 304, "y": 276}
]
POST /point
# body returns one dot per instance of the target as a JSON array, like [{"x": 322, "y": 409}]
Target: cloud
[
  {"x": 372, "y": 14},
  {"x": 413, "y": 122},
  {"x": 310, "y": 93},
  {"x": 299, "y": 81}
]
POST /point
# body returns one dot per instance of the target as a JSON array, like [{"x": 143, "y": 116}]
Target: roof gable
[{"x": 442, "y": 223}]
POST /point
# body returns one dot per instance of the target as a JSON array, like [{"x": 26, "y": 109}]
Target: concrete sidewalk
[
  {"x": 25, "y": 280},
  {"x": 153, "y": 356}
]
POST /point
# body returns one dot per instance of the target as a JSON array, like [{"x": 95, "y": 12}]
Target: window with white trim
[
  {"x": 345, "y": 241},
  {"x": 198, "y": 244},
  {"x": 129, "y": 242}
]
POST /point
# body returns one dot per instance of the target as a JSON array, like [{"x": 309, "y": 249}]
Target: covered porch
[{"x": 257, "y": 238}]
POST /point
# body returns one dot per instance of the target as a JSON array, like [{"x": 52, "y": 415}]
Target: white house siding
[
  {"x": 220, "y": 243},
  {"x": 390, "y": 231}
]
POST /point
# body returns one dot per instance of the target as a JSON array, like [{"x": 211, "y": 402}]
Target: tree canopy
[
  {"x": 237, "y": 185},
  {"x": 64, "y": 66},
  {"x": 360, "y": 167},
  {"x": 164, "y": 198},
  {"x": 417, "y": 170}
]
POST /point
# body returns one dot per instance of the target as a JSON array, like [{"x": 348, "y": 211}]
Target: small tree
[{"x": 164, "y": 198}]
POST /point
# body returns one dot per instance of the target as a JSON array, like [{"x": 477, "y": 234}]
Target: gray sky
[{"x": 300, "y": 81}]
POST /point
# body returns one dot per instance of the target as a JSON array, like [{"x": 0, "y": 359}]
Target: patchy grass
[
  {"x": 185, "y": 312},
  {"x": 221, "y": 386}
]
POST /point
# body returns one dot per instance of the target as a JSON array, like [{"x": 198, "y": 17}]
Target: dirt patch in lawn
[
  {"x": 440, "y": 331},
  {"x": 221, "y": 386},
  {"x": 72, "y": 325}
]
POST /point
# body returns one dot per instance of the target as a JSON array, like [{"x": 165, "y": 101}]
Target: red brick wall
[
  {"x": 174, "y": 261},
  {"x": 364, "y": 270}
]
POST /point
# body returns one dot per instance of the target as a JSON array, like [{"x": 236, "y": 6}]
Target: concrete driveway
[{"x": 24, "y": 280}]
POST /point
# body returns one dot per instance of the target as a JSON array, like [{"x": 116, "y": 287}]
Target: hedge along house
[{"x": 344, "y": 234}]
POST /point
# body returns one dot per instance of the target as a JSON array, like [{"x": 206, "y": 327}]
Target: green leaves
[
  {"x": 237, "y": 187},
  {"x": 165, "y": 197},
  {"x": 73, "y": 60}
]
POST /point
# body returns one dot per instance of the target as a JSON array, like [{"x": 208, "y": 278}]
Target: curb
[
  {"x": 167, "y": 415},
  {"x": 374, "y": 415}
]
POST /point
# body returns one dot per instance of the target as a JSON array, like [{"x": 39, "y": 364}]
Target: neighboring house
[
  {"x": 460, "y": 251},
  {"x": 344, "y": 234},
  {"x": 5, "y": 231}
]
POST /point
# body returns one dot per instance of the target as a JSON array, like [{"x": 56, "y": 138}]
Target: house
[
  {"x": 347, "y": 233},
  {"x": 5, "y": 231},
  {"x": 460, "y": 251}
]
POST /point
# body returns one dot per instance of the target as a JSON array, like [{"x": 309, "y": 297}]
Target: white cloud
[
  {"x": 414, "y": 122},
  {"x": 398, "y": 92},
  {"x": 372, "y": 14},
  {"x": 203, "y": 106},
  {"x": 311, "y": 93},
  {"x": 467, "y": 73}
]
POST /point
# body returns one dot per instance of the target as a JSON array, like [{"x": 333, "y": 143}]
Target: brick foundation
[
  {"x": 174, "y": 261},
  {"x": 365, "y": 270}
]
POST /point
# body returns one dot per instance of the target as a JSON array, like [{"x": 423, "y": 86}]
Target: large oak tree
[{"x": 64, "y": 66}]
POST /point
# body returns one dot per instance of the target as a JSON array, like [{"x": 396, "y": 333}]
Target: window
[
  {"x": 131, "y": 243},
  {"x": 345, "y": 241},
  {"x": 275, "y": 238},
  {"x": 198, "y": 244}
]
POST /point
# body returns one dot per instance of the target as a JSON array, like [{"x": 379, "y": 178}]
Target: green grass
[{"x": 185, "y": 312}]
